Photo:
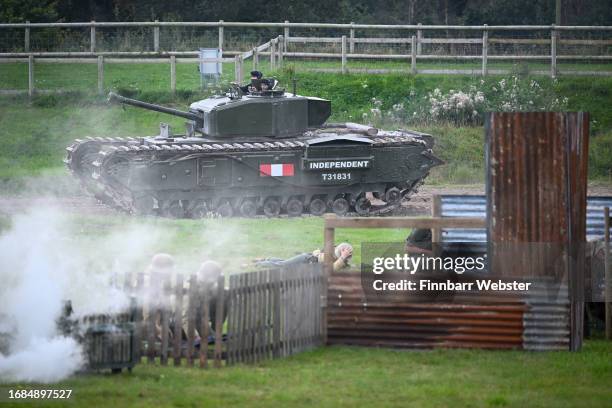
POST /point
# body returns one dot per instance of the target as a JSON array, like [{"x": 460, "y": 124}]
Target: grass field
[
  {"x": 156, "y": 76},
  {"x": 34, "y": 134},
  {"x": 234, "y": 242},
  {"x": 349, "y": 377}
]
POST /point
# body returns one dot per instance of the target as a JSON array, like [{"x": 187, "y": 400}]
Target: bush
[{"x": 466, "y": 107}]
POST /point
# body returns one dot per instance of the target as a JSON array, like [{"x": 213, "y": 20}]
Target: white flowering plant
[{"x": 466, "y": 107}]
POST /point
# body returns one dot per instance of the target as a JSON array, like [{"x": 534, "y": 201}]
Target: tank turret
[{"x": 273, "y": 114}]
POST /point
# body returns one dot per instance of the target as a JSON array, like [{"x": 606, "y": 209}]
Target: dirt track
[{"x": 419, "y": 203}]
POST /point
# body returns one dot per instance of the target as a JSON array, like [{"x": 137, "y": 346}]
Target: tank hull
[{"x": 322, "y": 170}]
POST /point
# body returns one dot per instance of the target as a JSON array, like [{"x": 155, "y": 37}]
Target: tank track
[{"x": 92, "y": 160}]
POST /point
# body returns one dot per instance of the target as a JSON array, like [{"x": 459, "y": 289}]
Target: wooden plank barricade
[
  {"x": 261, "y": 315},
  {"x": 274, "y": 313}
]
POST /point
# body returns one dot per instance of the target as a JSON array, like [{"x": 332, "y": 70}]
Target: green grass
[
  {"x": 156, "y": 76},
  {"x": 234, "y": 242},
  {"x": 34, "y": 135},
  {"x": 350, "y": 376}
]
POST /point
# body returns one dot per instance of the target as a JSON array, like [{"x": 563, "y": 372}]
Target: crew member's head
[
  {"x": 419, "y": 242},
  {"x": 209, "y": 273},
  {"x": 343, "y": 250},
  {"x": 161, "y": 263}
]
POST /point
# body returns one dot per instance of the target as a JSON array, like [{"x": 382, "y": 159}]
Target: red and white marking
[{"x": 276, "y": 170}]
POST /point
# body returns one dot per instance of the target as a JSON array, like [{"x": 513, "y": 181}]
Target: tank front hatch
[{"x": 266, "y": 116}]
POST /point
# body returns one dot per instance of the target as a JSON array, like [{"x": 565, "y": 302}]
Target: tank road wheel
[
  {"x": 340, "y": 206},
  {"x": 144, "y": 205},
  {"x": 362, "y": 206},
  {"x": 199, "y": 209},
  {"x": 248, "y": 209},
  {"x": 393, "y": 195},
  {"x": 317, "y": 206},
  {"x": 271, "y": 207},
  {"x": 225, "y": 210},
  {"x": 295, "y": 207},
  {"x": 174, "y": 210}
]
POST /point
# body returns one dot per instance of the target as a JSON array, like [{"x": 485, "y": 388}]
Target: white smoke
[
  {"x": 44, "y": 360},
  {"x": 43, "y": 262}
]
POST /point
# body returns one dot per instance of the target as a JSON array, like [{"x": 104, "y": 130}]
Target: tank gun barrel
[{"x": 114, "y": 98}]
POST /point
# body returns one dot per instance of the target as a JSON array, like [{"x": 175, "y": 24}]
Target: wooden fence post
[
  {"x": 156, "y": 37},
  {"x": 272, "y": 54},
  {"x": 220, "y": 46},
  {"x": 485, "y": 50},
  {"x": 92, "y": 37},
  {"x": 231, "y": 321},
  {"x": 276, "y": 302},
  {"x": 352, "y": 39},
  {"x": 553, "y": 52},
  {"x": 607, "y": 275},
  {"x": 191, "y": 319},
  {"x": 344, "y": 70},
  {"x": 328, "y": 269},
  {"x": 173, "y": 74},
  {"x": 219, "y": 321},
  {"x": 255, "y": 58},
  {"x": 205, "y": 327},
  {"x": 280, "y": 51},
  {"x": 238, "y": 68},
  {"x": 26, "y": 39},
  {"x": 286, "y": 36},
  {"x": 100, "y": 75},
  {"x": 139, "y": 329},
  {"x": 152, "y": 312},
  {"x": 436, "y": 211},
  {"x": 164, "y": 319},
  {"x": 30, "y": 76},
  {"x": 178, "y": 320},
  {"x": 413, "y": 56},
  {"x": 419, "y": 38}
]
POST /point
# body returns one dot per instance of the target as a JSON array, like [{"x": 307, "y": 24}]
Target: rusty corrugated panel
[
  {"x": 536, "y": 191},
  {"x": 467, "y": 323}
]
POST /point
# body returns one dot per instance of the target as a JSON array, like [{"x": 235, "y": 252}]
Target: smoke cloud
[{"x": 44, "y": 262}]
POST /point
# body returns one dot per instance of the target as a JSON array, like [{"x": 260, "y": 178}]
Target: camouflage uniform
[{"x": 316, "y": 256}]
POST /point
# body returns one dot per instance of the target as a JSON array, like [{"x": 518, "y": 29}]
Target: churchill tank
[{"x": 253, "y": 153}]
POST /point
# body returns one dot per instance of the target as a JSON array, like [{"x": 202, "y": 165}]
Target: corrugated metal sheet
[
  {"x": 504, "y": 320},
  {"x": 546, "y": 324},
  {"x": 476, "y": 206},
  {"x": 352, "y": 319},
  {"x": 536, "y": 192}
]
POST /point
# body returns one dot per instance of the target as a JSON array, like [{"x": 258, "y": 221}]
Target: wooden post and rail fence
[{"x": 278, "y": 48}]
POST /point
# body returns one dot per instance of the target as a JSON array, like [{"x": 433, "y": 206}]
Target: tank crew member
[
  {"x": 419, "y": 242},
  {"x": 256, "y": 83},
  {"x": 160, "y": 270},
  {"x": 208, "y": 279},
  {"x": 342, "y": 256}
]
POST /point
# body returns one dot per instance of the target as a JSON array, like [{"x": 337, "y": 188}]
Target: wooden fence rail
[{"x": 277, "y": 49}]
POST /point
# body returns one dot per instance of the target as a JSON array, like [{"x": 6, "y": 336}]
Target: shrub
[{"x": 466, "y": 107}]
